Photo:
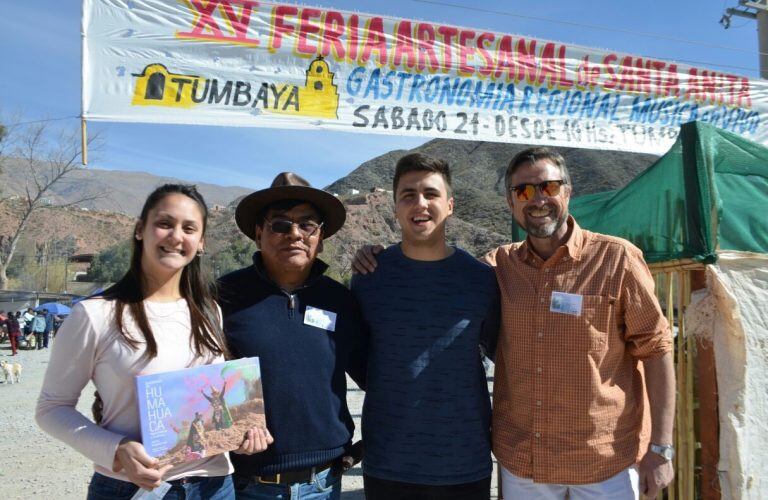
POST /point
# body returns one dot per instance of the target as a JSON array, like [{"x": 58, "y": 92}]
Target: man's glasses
[
  {"x": 284, "y": 226},
  {"x": 525, "y": 192}
]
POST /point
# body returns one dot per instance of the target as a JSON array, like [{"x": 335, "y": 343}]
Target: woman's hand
[
  {"x": 256, "y": 440},
  {"x": 141, "y": 469}
]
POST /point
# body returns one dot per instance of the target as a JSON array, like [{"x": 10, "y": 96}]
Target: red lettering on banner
[
  {"x": 626, "y": 75},
  {"x": 239, "y": 23},
  {"x": 671, "y": 84},
  {"x": 561, "y": 69},
  {"x": 425, "y": 34},
  {"x": 375, "y": 41},
  {"x": 552, "y": 67},
  {"x": 206, "y": 27},
  {"x": 354, "y": 37},
  {"x": 487, "y": 68},
  {"x": 505, "y": 60},
  {"x": 548, "y": 65},
  {"x": 404, "y": 45},
  {"x": 612, "y": 81},
  {"x": 279, "y": 26},
  {"x": 587, "y": 75},
  {"x": 743, "y": 97},
  {"x": 448, "y": 33},
  {"x": 465, "y": 53},
  {"x": 526, "y": 62},
  {"x": 205, "y": 18},
  {"x": 306, "y": 29},
  {"x": 718, "y": 88},
  {"x": 333, "y": 30}
]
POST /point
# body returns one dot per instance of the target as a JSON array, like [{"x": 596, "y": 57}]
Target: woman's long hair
[{"x": 207, "y": 335}]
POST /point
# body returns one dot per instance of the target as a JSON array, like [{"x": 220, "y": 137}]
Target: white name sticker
[
  {"x": 566, "y": 303},
  {"x": 320, "y": 318}
]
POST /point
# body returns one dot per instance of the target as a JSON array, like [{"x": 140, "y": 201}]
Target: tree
[
  {"x": 45, "y": 158},
  {"x": 111, "y": 264},
  {"x": 235, "y": 255}
]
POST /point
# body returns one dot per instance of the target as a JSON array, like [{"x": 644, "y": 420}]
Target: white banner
[{"x": 263, "y": 64}]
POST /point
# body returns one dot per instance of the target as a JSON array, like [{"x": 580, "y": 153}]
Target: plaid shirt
[{"x": 568, "y": 402}]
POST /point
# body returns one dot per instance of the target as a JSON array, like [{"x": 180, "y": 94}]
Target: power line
[
  {"x": 48, "y": 120},
  {"x": 592, "y": 26}
]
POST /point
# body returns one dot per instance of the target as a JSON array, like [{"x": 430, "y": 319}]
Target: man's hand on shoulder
[
  {"x": 365, "y": 259},
  {"x": 655, "y": 473}
]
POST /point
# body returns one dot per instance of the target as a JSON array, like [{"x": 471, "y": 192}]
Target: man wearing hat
[{"x": 306, "y": 330}]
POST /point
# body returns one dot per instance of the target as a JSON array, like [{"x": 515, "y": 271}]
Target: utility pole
[{"x": 758, "y": 10}]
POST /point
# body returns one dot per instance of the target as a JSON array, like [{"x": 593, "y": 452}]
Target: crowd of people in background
[{"x": 29, "y": 329}]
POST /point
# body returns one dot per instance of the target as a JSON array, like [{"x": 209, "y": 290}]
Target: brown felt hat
[{"x": 289, "y": 186}]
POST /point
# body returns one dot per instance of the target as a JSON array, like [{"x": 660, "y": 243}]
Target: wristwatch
[{"x": 667, "y": 451}]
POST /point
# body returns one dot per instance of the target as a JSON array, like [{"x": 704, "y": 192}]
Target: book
[{"x": 201, "y": 411}]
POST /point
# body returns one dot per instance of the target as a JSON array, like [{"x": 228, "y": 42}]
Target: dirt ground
[{"x": 36, "y": 466}]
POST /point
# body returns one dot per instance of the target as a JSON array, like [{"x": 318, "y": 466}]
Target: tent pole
[
  {"x": 708, "y": 417},
  {"x": 84, "y": 140}
]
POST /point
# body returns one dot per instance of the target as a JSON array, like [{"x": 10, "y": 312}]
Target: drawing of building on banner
[
  {"x": 319, "y": 97},
  {"x": 156, "y": 86}
]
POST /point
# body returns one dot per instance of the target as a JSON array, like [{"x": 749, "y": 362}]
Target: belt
[{"x": 294, "y": 476}]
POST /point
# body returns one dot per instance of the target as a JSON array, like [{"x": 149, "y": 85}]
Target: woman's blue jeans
[{"x": 190, "y": 488}]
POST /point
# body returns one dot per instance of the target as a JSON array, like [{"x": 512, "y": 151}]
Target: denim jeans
[
  {"x": 193, "y": 488},
  {"x": 325, "y": 486}
]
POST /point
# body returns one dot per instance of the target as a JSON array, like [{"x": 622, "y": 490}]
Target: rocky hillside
[
  {"x": 81, "y": 231},
  {"x": 480, "y": 223}
]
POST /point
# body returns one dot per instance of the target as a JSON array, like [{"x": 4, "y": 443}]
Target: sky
[{"x": 40, "y": 78}]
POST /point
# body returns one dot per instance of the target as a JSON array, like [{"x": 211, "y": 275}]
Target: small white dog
[{"x": 12, "y": 371}]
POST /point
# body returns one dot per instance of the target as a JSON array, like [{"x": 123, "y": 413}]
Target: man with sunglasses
[
  {"x": 307, "y": 332},
  {"x": 581, "y": 324}
]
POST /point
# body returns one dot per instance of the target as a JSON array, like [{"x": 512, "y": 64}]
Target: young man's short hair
[
  {"x": 418, "y": 162},
  {"x": 532, "y": 155}
]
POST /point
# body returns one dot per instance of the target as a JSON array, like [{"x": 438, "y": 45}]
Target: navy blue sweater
[
  {"x": 426, "y": 417},
  {"x": 302, "y": 367}
]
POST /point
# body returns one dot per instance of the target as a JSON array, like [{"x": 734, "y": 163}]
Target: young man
[
  {"x": 307, "y": 332},
  {"x": 428, "y": 306},
  {"x": 580, "y": 314}
]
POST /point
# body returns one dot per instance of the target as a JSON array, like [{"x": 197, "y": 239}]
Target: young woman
[{"x": 160, "y": 316}]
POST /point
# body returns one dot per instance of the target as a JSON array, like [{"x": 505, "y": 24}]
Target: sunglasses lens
[
  {"x": 550, "y": 188},
  {"x": 524, "y": 192},
  {"x": 308, "y": 228},
  {"x": 281, "y": 226}
]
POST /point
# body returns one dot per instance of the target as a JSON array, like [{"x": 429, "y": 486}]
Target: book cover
[{"x": 201, "y": 411}]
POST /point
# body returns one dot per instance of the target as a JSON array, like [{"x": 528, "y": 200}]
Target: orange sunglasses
[{"x": 525, "y": 192}]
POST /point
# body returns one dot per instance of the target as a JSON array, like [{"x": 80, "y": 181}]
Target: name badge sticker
[
  {"x": 566, "y": 303},
  {"x": 320, "y": 318}
]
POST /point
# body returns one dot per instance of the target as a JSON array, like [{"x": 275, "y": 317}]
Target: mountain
[
  {"x": 477, "y": 171},
  {"x": 114, "y": 190},
  {"x": 481, "y": 219}
]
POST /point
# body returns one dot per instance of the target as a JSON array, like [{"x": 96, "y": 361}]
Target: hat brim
[{"x": 332, "y": 209}]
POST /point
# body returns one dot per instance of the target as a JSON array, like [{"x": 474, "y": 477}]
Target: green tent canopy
[{"x": 708, "y": 194}]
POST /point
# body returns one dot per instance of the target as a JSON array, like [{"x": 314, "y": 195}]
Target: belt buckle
[{"x": 264, "y": 481}]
